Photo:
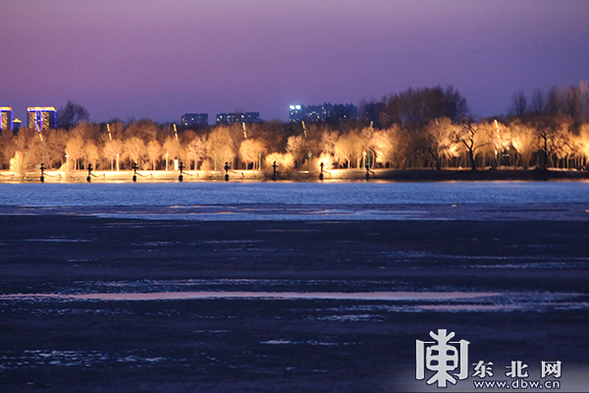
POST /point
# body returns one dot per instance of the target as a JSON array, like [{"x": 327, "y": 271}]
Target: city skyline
[{"x": 149, "y": 59}]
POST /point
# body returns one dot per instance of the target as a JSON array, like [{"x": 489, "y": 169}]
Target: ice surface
[{"x": 214, "y": 201}]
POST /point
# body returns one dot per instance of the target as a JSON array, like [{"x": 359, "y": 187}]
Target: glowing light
[
  {"x": 292, "y": 107},
  {"x": 39, "y": 108},
  {"x": 298, "y": 107}
]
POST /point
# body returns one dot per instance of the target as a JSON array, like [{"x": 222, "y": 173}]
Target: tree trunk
[{"x": 473, "y": 164}]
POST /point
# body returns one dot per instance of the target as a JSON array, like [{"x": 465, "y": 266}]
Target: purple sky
[{"x": 162, "y": 58}]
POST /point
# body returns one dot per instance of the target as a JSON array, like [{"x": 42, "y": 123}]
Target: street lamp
[
  {"x": 227, "y": 171},
  {"x": 180, "y": 177},
  {"x": 134, "y": 167},
  {"x": 88, "y": 179}
]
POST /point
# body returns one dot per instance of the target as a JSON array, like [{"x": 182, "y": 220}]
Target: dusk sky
[{"x": 160, "y": 59}]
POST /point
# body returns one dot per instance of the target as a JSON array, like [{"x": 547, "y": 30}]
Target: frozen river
[
  {"x": 326, "y": 282},
  {"x": 344, "y": 193},
  {"x": 309, "y": 201}
]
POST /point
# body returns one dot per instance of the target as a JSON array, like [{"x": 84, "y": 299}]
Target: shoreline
[{"x": 410, "y": 175}]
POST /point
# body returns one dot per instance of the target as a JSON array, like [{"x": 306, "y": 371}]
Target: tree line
[{"x": 417, "y": 128}]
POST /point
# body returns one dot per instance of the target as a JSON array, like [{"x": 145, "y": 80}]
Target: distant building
[
  {"x": 316, "y": 113},
  {"x": 372, "y": 112},
  {"x": 296, "y": 114},
  {"x": 6, "y": 119},
  {"x": 341, "y": 112},
  {"x": 322, "y": 113},
  {"x": 247, "y": 117},
  {"x": 41, "y": 118},
  {"x": 195, "y": 119}
]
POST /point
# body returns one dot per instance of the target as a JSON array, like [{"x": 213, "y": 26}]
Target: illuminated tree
[
  {"x": 17, "y": 163},
  {"x": 367, "y": 142},
  {"x": 284, "y": 161},
  {"x": 144, "y": 129},
  {"x": 171, "y": 149},
  {"x": 561, "y": 145},
  {"x": 112, "y": 150},
  {"x": 440, "y": 139},
  {"x": 383, "y": 145},
  {"x": 28, "y": 143},
  {"x": 550, "y": 133},
  {"x": 117, "y": 129},
  {"x": 496, "y": 137},
  {"x": 296, "y": 146},
  {"x": 13, "y": 147},
  {"x": 91, "y": 153},
  {"x": 220, "y": 147},
  {"x": 154, "y": 152},
  {"x": 55, "y": 142},
  {"x": 502, "y": 142},
  {"x": 84, "y": 130},
  {"x": 524, "y": 141},
  {"x": 6, "y": 148},
  {"x": 196, "y": 150},
  {"x": 328, "y": 141},
  {"x": 251, "y": 150},
  {"x": 348, "y": 149},
  {"x": 134, "y": 150},
  {"x": 581, "y": 145},
  {"x": 74, "y": 148},
  {"x": 564, "y": 148},
  {"x": 473, "y": 138}
]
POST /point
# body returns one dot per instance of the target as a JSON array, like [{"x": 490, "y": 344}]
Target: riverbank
[
  {"x": 515, "y": 290},
  {"x": 53, "y": 176}
]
